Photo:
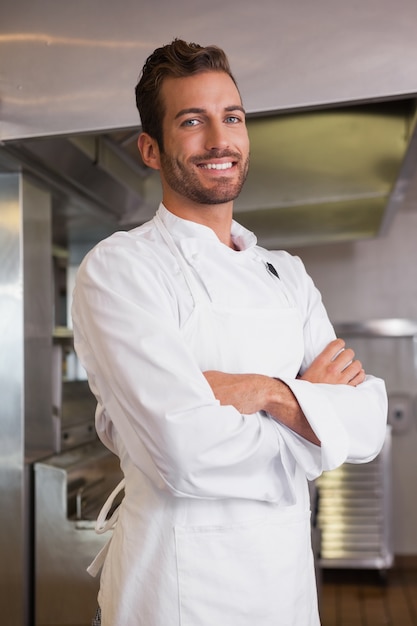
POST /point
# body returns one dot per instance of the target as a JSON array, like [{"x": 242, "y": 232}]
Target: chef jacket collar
[{"x": 181, "y": 229}]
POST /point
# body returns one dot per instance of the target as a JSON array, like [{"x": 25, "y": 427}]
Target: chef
[{"x": 219, "y": 381}]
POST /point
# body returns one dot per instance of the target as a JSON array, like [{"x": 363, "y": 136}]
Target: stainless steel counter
[{"x": 70, "y": 489}]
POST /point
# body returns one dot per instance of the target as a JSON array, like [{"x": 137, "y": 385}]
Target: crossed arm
[{"x": 250, "y": 393}]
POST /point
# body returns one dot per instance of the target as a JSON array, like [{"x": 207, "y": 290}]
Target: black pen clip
[{"x": 272, "y": 269}]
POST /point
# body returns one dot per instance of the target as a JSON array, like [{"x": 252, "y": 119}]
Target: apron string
[{"x": 103, "y": 525}]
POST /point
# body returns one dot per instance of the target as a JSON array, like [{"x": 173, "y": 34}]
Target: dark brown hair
[{"x": 177, "y": 59}]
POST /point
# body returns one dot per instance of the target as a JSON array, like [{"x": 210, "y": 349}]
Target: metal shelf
[{"x": 354, "y": 514}]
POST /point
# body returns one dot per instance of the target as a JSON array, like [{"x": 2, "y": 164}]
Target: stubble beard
[{"x": 184, "y": 181}]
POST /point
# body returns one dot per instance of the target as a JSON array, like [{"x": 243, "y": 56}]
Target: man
[{"x": 219, "y": 381}]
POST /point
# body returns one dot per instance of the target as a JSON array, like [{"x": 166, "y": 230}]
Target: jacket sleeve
[
  {"x": 152, "y": 396},
  {"x": 349, "y": 421}
]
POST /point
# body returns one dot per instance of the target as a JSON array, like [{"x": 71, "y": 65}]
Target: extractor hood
[{"x": 335, "y": 174}]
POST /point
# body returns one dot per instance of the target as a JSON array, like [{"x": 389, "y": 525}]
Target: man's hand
[{"x": 336, "y": 365}]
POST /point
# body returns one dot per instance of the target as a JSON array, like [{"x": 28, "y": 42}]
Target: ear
[{"x": 149, "y": 150}]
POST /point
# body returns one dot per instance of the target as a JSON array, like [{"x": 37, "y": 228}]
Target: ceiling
[{"x": 329, "y": 88}]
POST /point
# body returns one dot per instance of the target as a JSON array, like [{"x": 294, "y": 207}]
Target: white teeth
[{"x": 217, "y": 166}]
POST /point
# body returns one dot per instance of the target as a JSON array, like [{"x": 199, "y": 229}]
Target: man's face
[{"x": 205, "y": 155}]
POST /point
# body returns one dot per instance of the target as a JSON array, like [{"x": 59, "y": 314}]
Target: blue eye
[
  {"x": 232, "y": 119},
  {"x": 191, "y": 122}
]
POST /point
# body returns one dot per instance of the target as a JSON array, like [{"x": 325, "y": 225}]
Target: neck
[{"x": 218, "y": 217}]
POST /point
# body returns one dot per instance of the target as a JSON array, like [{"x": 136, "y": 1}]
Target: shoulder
[
  {"x": 122, "y": 250},
  {"x": 133, "y": 263},
  {"x": 139, "y": 238},
  {"x": 133, "y": 270}
]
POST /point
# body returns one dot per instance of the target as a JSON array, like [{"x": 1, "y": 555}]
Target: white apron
[{"x": 194, "y": 562}]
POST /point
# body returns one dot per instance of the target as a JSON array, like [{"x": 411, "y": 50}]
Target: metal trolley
[{"x": 354, "y": 514}]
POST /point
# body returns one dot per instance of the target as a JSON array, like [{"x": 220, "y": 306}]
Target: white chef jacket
[{"x": 194, "y": 468}]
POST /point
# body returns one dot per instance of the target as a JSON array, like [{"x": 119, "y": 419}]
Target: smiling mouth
[{"x": 216, "y": 166}]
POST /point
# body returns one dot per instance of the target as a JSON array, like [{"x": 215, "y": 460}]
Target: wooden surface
[{"x": 360, "y": 598}]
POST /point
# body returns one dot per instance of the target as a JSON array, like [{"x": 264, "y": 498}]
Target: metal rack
[{"x": 354, "y": 514}]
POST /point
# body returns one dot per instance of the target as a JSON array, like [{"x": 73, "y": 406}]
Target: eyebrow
[{"x": 229, "y": 109}]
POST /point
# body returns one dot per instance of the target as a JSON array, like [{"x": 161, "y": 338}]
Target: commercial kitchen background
[{"x": 330, "y": 88}]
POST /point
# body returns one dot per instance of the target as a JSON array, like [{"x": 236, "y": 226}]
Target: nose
[{"x": 216, "y": 137}]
